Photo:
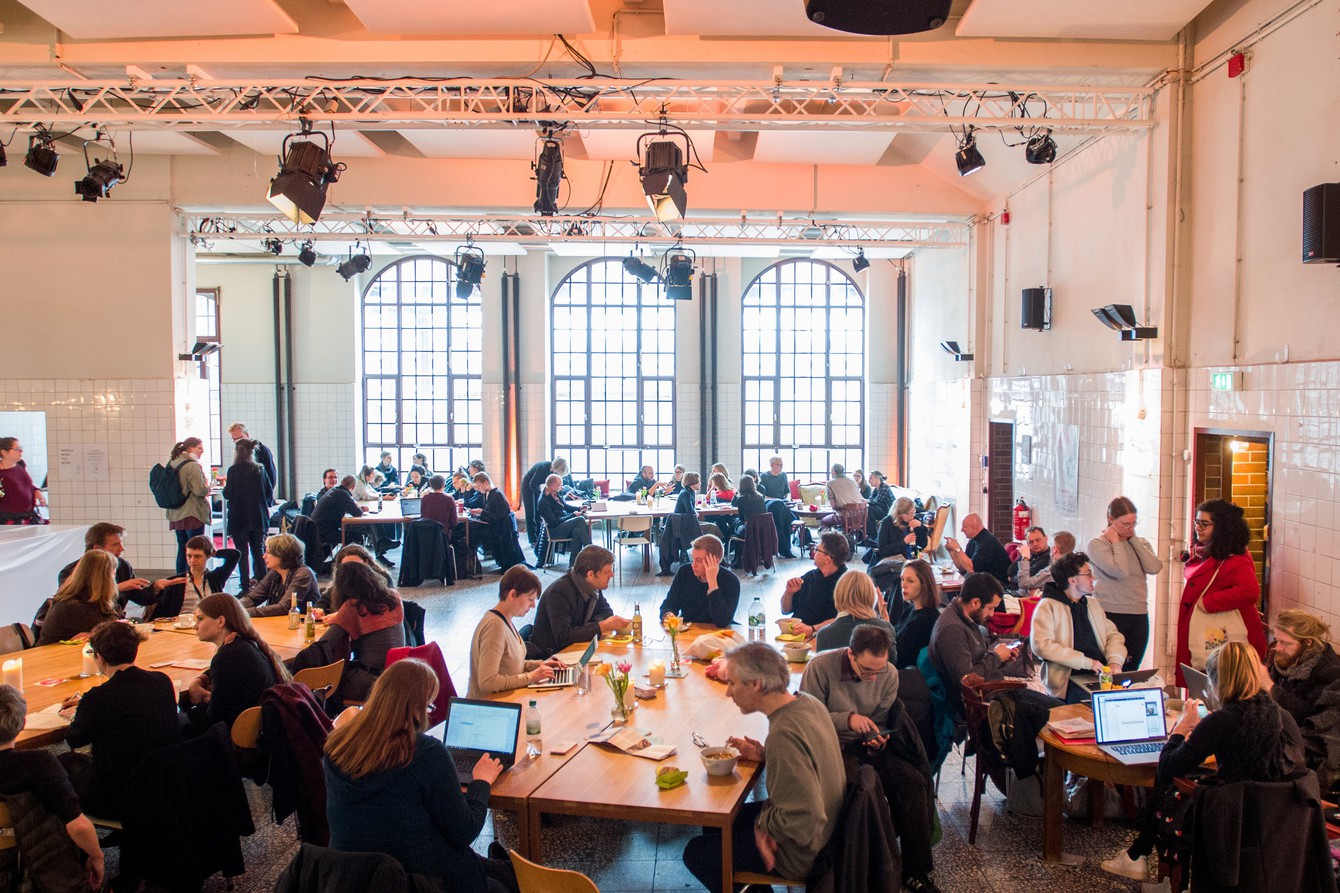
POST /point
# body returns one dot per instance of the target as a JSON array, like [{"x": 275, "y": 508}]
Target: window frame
[{"x": 211, "y": 369}]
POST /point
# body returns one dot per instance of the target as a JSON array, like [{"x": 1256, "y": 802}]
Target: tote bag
[{"x": 1210, "y": 629}]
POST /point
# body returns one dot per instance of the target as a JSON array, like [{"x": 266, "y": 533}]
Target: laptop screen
[
  {"x": 483, "y": 725},
  {"x": 409, "y": 506},
  {"x": 1127, "y": 715}
]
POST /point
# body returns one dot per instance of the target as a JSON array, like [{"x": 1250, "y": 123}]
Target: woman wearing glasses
[
  {"x": 1220, "y": 577},
  {"x": 1071, "y": 634},
  {"x": 1121, "y": 562}
]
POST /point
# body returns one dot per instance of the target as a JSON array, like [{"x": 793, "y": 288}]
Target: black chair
[
  {"x": 316, "y": 869},
  {"x": 314, "y": 551},
  {"x": 758, "y": 546},
  {"x": 426, "y": 554}
]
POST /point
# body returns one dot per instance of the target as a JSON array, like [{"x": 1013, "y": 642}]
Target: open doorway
[{"x": 1236, "y": 465}]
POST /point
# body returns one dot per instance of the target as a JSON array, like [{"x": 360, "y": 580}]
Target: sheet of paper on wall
[
  {"x": 70, "y": 462},
  {"x": 95, "y": 462}
]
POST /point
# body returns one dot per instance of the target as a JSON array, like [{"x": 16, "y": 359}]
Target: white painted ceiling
[
  {"x": 1073, "y": 19},
  {"x": 460, "y": 143},
  {"x": 348, "y": 143},
  {"x": 457, "y": 17},
  {"x": 621, "y": 145},
  {"x": 164, "y": 18},
  {"x": 818, "y": 146}
]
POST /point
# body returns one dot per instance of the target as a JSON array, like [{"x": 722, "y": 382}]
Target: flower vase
[
  {"x": 675, "y": 671},
  {"x": 620, "y": 712}
]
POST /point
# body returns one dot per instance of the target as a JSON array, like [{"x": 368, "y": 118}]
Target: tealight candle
[
  {"x": 88, "y": 667},
  {"x": 12, "y": 673},
  {"x": 656, "y": 672}
]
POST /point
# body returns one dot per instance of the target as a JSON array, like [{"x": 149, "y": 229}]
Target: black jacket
[
  {"x": 989, "y": 556},
  {"x": 881, "y": 500},
  {"x": 688, "y": 597},
  {"x": 553, "y": 512},
  {"x": 892, "y": 535},
  {"x": 266, "y": 460},
  {"x": 685, "y": 503},
  {"x": 532, "y": 488},
  {"x": 1301, "y": 696},
  {"x": 172, "y": 597},
  {"x": 330, "y": 510},
  {"x": 315, "y": 869},
  {"x": 426, "y": 554},
  {"x": 249, "y": 492},
  {"x": 565, "y": 616}
]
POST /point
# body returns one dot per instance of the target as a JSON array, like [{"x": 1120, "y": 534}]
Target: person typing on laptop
[
  {"x": 1251, "y": 738},
  {"x": 497, "y": 654},
  {"x": 1070, "y": 631},
  {"x": 393, "y": 789}
]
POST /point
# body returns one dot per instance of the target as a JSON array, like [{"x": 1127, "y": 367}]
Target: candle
[
  {"x": 656, "y": 672},
  {"x": 13, "y": 673},
  {"x": 89, "y": 667}
]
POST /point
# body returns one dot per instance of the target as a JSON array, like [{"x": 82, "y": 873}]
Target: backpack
[{"x": 165, "y": 483}]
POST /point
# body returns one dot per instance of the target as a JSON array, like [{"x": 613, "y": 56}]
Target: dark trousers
[
  {"x": 182, "y": 537},
  {"x": 1135, "y": 629},
  {"x": 702, "y": 854},
  {"x": 250, "y": 545},
  {"x": 578, "y": 531},
  {"x": 910, "y": 804},
  {"x": 782, "y": 517}
]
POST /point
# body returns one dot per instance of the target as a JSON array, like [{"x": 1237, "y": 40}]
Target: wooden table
[
  {"x": 1082, "y": 759},
  {"x": 385, "y": 511},
  {"x": 613, "y": 511}
]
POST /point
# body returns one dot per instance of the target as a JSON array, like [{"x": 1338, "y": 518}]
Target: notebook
[
  {"x": 410, "y": 505},
  {"x": 475, "y": 728},
  {"x": 1129, "y": 724},
  {"x": 1199, "y": 687},
  {"x": 568, "y": 675}
]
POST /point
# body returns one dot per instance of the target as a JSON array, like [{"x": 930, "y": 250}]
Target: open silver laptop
[
  {"x": 475, "y": 728},
  {"x": 1129, "y": 724},
  {"x": 1198, "y": 686},
  {"x": 566, "y": 676},
  {"x": 411, "y": 506}
]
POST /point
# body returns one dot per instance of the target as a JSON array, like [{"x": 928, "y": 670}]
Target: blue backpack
[{"x": 165, "y": 483}]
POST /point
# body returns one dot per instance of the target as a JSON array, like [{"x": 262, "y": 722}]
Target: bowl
[
  {"x": 796, "y": 652},
  {"x": 144, "y": 629},
  {"x": 719, "y": 760}
]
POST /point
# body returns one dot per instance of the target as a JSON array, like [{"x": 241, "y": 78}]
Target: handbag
[{"x": 1210, "y": 629}]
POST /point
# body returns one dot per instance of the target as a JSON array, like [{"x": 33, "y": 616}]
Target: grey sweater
[
  {"x": 830, "y": 679},
  {"x": 958, "y": 647},
  {"x": 1119, "y": 571},
  {"x": 806, "y": 783}
]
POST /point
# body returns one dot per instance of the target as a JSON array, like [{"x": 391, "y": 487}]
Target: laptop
[
  {"x": 410, "y": 506},
  {"x": 1125, "y": 680},
  {"x": 568, "y": 674},
  {"x": 1129, "y": 724},
  {"x": 475, "y": 728},
  {"x": 1198, "y": 686}
]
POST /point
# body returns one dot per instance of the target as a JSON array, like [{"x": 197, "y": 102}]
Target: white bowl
[
  {"x": 144, "y": 629},
  {"x": 719, "y": 765},
  {"x": 796, "y": 652}
]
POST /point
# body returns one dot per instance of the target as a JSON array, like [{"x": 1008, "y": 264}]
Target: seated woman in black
[
  {"x": 879, "y": 503},
  {"x": 1250, "y": 737},
  {"x": 676, "y": 484},
  {"x": 919, "y": 609},
  {"x": 182, "y": 597},
  {"x": 243, "y": 666},
  {"x": 809, "y": 598},
  {"x": 369, "y": 621},
  {"x": 748, "y": 502},
  {"x": 86, "y": 598},
  {"x": 901, "y": 533},
  {"x": 287, "y": 580},
  {"x": 672, "y": 543},
  {"x": 131, "y": 714},
  {"x": 391, "y": 788},
  {"x": 686, "y": 501}
]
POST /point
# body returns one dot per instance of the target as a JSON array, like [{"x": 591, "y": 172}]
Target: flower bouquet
[
  {"x": 673, "y": 626},
  {"x": 619, "y": 681}
]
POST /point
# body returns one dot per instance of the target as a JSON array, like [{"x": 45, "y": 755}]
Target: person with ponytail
[
  {"x": 191, "y": 517},
  {"x": 243, "y": 666}
]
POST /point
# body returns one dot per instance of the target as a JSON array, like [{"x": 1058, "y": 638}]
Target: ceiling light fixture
[
  {"x": 305, "y": 171},
  {"x": 1121, "y": 318},
  {"x": 42, "y": 157},
  {"x": 860, "y": 262},
  {"x": 663, "y": 170},
  {"x": 678, "y": 275},
  {"x": 1040, "y": 148},
  {"x": 952, "y": 348},
  {"x": 470, "y": 265},
  {"x": 357, "y": 263},
  {"x": 968, "y": 158},
  {"x": 274, "y": 246},
  {"x": 307, "y": 253},
  {"x": 639, "y": 269},
  {"x": 548, "y": 168}
]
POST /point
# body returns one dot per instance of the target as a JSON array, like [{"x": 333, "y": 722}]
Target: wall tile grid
[
  {"x": 135, "y": 420},
  {"x": 324, "y": 415},
  {"x": 1300, "y": 404},
  {"x": 942, "y": 439},
  {"x": 881, "y": 407}
]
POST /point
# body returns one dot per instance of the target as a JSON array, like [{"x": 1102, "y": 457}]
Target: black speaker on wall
[
  {"x": 878, "y": 16},
  {"x": 1036, "y": 312},
  {"x": 1321, "y": 224}
]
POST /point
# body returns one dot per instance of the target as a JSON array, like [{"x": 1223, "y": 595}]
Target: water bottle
[
  {"x": 637, "y": 624},
  {"x": 758, "y": 622},
  {"x": 294, "y": 617},
  {"x": 534, "y": 745}
]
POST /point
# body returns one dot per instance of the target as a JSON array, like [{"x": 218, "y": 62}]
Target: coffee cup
[{"x": 186, "y": 621}]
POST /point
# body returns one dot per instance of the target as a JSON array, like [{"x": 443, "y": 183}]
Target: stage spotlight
[
  {"x": 274, "y": 246},
  {"x": 952, "y": 348},
  {"x": 1121, "y": 318},
  {"x": 678, "y": 277},
  {"x": 968, "y": 159},
  {"x": 4, "y": 157},
  {"x": 307, "y": 254},
  {"x": 470, "y": 266},
  {"x": 860, "y": 262},
  {"x": 1041, "y": 149},
  {"x": 663, "y": 171},
  {"x": 41, "y": 156},
  {"x": 548, "y": 169},
  {"x": 639, "y": 269},
  {"x": 357, "y": 263},
  {"x": 299, "y": 190},
  {"x": 99, "y": 181}
]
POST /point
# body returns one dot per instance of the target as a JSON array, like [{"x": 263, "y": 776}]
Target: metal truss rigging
[
  {"x": 410, "y": 103},
  {"x": 459, "y": 229}
]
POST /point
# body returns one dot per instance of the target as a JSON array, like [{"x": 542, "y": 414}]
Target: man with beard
[
  {"x": 1303, "y": 676},
  {"x": 958, "y": 644},
  {"x": 1070, "y": 631}
]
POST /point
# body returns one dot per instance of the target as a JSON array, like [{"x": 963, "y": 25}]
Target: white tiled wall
[
  {"x": 31, "y": 430},
  {"x": 941, "y": 439},
  {"x": 325, "y": 427}
]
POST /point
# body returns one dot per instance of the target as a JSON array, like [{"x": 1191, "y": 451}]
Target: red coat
[{"x": 1236, "y": 586}]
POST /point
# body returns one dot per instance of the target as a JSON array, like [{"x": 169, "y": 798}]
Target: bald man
[{"x": 984, "y": 553}]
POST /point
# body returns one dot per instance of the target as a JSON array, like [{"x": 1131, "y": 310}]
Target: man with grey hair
[
  {"x": 806, "y": 779},
  {"x": 38, "y": 773},
  {"x": 560, "y": 521},
  {"x": 264, "y": 458},
  {"x": 533, "y": 484}
]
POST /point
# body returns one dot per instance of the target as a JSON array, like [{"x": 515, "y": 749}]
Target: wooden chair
[
  {"x": 532, "y": 878},
  {"x": 852, "y": 518},
  {"x": 635, "y": 530},
  {"x": 246, "y": 731},
  {"x": 977, "y": 693},
  {"x": 323, "y": 681},
  {"x": 769, "y": 880},
  {"x": 15, "y": 637},
  {"x": 7, "y": 839}
]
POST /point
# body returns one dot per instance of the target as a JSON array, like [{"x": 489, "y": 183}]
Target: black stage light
[
  {"x": 274, "y": 246},
  {"x": 639, "y": 269},
  {"x": 41, "y": 156},
  {"x": 307, "y": 254},
  {"x": 968, "y": 159},
  {"x": 470, "y": 266},
  {"x": 1040, "y": 149},
  {"x": 860, "y": 262},
  {"x": 99, "y": 181},
  {"x": 679, "y": 270},
  {"x": 357, "y": 263},
  {"x": 299, "y": 190},
  {"x": 663, "y": 172},
  {"x": 952, "y": 348},
  {"x": 548, "y": 175},
  {"x": 4, "y": 158}
]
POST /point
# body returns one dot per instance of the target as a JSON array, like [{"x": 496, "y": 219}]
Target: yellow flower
[
  {"x": 673, "y": 623},
  {"x": 600, "y": 669}
]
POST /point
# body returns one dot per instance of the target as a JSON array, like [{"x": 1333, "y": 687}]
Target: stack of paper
[
  {"x": 634, "y": 741},
  {"x": 1075, "y": 727}
]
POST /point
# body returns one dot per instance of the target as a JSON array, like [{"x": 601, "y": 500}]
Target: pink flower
[{"x": 625, "y": 668}]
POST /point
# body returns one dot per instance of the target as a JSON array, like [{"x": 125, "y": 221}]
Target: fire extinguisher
[{"x": 1023, "y": 519}]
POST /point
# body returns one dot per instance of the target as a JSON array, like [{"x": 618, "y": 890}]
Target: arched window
[
  {"x": 614, "y": 374},
  {"x": 422, "y": 359},
  {"x": 803, "y": 337}
]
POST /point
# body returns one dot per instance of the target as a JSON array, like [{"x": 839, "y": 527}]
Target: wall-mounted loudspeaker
[
  {"x": 1321, "y": 224},
  {"x": 1037, "y": 309},
  {"x": 878, "y": 16}
]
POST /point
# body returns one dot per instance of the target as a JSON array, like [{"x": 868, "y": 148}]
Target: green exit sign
[{"x": 1225, "y": 381}]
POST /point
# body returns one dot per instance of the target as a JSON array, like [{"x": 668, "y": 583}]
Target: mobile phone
[{"x": 880, "y": 734}]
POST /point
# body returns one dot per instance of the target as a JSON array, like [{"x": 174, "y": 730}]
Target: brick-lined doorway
[
  {"x": 1235, "y": 465},
  {"x": 1000, "y": 480}
]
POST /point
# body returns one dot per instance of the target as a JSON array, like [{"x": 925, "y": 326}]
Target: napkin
[
  {"x": 791, "y": 637},
  {"x": 619, "y": 640}
]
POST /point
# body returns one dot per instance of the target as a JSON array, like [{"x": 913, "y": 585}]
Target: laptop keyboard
[
  {"x": 1132, "y": 749},
  {"x": 465, "y": 766},
  {"x": 563, "y": 676}
]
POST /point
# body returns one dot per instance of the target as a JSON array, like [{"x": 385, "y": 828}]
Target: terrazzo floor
[{"x": 634, "y": 856}]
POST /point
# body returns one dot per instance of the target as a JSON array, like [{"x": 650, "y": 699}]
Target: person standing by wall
[
  {"x": 1121, "y": 561},
  {"x": 192, "y": 517}
]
